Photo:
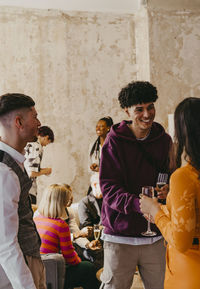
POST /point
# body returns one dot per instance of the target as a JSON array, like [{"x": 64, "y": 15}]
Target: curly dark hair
[
  {"x": 187, "y": 131},
  {"x": 44, "y": 131},
  {"x": 137, "y": 92}
]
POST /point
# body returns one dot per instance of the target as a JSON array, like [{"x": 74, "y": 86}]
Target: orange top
[{"x": 179, "y": 220}]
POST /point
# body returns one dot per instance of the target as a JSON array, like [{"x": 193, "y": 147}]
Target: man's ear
[
  {"x": 18, "y": 121},
  {"x": 127, "y": 111}
]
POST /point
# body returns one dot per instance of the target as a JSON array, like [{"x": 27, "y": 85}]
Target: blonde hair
[{"x": 54, "y": 200}]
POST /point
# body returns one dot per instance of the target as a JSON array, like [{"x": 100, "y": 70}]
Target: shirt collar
[{"x": 12, "y": 152}]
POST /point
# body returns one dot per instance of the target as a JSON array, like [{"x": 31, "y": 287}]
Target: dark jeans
[
  {"x": 81, "y": 275},
  {"x": 33, "y": 199}
]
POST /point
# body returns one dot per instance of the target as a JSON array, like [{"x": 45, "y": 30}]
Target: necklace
[
  {"x": 145, "y": 137},
  {"x": 142, "y": 138}
]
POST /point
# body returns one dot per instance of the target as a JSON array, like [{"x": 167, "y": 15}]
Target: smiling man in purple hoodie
[{"x": 133, "y": 155}]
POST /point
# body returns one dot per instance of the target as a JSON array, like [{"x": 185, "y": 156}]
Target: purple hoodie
[{"x": 124, "y": 170}]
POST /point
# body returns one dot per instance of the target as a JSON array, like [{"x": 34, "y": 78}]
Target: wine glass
[
  {"x": 149, "y": 192},
  {"x": 162, "y": 180},
  {"x": 97, "y": 231}
]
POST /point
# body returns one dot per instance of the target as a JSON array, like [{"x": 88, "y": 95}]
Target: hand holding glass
[
  {"x": 97, "y": 232},
  {"x": 161, "y": 182},
  {"x": 149, "y": 192}
]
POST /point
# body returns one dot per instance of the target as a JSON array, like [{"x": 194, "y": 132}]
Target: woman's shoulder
[
  {"x": 185, "y": 174},
  {"x": 56, "y": 221},
  {"x": 60, "y": 225}
]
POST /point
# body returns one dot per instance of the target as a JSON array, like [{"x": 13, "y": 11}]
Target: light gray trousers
[{"x": 120, "y": 263}]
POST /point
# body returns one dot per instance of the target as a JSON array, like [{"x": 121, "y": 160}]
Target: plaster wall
[
  {"x": 73, "y": 65},
  {"x": 174, "y": 57},
  {"x": 114, "y": 6}
]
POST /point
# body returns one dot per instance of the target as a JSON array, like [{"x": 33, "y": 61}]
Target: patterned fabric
[
  {"x": 27, "y": 233},
  {"x": 33, "y": 155},
  {"x": 179, "y": 222},
  {"x": 55, "y": 236}
]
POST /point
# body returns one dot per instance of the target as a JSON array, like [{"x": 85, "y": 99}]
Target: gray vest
[{"x": 28, "y": 236}]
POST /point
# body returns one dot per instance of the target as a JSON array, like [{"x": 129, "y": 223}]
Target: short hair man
[
  {"x": 33, "y": 155},
  {"x": 133, "y": 155},
  {"x": 20, "y": 243}
]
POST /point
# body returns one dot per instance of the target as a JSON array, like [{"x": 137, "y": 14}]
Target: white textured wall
[
  {"x": 174, "y": 57},
  {"x": 125, "y": 6},
  {"x": 73, "y": 65}
]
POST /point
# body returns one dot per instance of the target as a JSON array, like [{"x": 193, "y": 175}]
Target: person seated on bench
[
  {"x": 89, "y": 211},
  {"x": 55, "y": 237},
  {"x": 87, "y": 249}
]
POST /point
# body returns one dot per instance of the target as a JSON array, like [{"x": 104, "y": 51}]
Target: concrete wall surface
[
  {"x": 116, "y": 6},
  {"x": 174, "y": 57},
  {"x": 74, "y": 64}
]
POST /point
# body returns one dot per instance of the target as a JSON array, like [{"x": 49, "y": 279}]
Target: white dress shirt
[
  {"x": 94, "y": 158},
  {"x": 33, "y": 157},
  {"x": 75, "y": 229},
  {"x": 11, "y": 257}
]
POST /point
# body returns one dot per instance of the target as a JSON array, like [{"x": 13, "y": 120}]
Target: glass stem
[{"x": 149, "y": 224}]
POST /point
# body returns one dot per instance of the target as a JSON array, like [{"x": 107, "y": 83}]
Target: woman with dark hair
[
  {"x": 179, "y": 219},
  {"x": 102, "y": 128}
]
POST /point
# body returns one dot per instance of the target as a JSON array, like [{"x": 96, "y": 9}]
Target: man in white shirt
[
  {"x": 33, "y": 155},
  {"x": 20, "y": 260}
]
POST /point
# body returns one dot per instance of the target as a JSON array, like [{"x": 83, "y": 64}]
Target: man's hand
[
  {"x": 94, "y": 245},
  {"x": 94, "y": 167},
  {"x": 162, "y": 192},
  {"x": 46, "y": 171},
  {"x": 86, "y": 232}
]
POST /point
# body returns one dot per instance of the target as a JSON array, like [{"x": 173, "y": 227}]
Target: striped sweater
[{"x": 55, "y": 236}]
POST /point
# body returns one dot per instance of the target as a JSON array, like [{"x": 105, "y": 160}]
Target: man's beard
[{"x": 35, "y": 138}]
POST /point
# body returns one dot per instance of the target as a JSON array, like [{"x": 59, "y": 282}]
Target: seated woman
[
  {"x": 55, "y": 237},
  {"x": 89, "y": 211}
]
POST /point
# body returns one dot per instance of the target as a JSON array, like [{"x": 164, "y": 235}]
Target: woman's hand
[
  {"x": 149, "y": 218},
  {"x": 162, "y": 192},
  {"x": 149, "y": 206},
  {"x": 94, "y": 167}
]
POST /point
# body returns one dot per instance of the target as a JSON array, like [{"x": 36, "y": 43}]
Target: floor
[{"x": 137, "y": 282}]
